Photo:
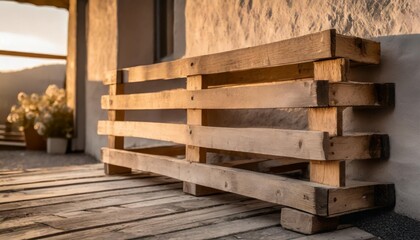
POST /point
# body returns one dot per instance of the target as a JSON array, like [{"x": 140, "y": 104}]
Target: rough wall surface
[{"x": 217, "y": 25}]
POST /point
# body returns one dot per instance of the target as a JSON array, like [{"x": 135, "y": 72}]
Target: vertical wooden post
[
  {"x": 329, "y": 120},
  {"x": 193, "y": 153},
  {"x": 113, "y": 115}
]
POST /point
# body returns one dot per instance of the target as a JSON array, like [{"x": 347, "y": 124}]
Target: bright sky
[{"x": 31, "y": 28}]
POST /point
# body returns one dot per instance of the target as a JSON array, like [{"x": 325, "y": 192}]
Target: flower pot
[
  {"x": 57, "y": 145},
  {"x": 33, "y": 140}
]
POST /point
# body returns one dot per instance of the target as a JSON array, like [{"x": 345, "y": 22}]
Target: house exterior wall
[{"x": 218, "y": 25}]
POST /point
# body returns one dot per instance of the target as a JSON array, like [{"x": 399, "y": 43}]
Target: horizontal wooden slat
[
  {"x": 307, "y": 196},
  {"x": 357, "y": 49},
  {"x": 291, "y": 94},
  {"x": 313, "y": 145},
  {"x": 361, "y": 94},
  {"x": 278, "y": 142},
  {"x": 362, "y": 146},
  {"x": 276, "y": 95},
  {"x": 308, "y": 48},
  {"x": 262, "y": 75}
]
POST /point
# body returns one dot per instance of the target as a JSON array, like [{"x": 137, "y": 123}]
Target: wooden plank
[
  {"x": 312, "y": 145},
  {"x": 276, "y": 189},
  {"x": 90, "y": 199},
  {"x": 196, "y": 117},
  {"x": 140, "y": 213},
  {"x": 32, "y": 55},
  {"x": 68, "y": 182},
  {"x": 362, "y": 94},
  {"x": 331, "y": 173},
  {"x": 306, "y": 196},
  {"x": 288, "y": 143},
  {"x": 292, "y": 94},
  {"x": 262, "y": 75},
  {"x": 357, "y": 49},
  {"x": 116, "y": 142},
  {"x": 306, "y": 223},
  {"x": 221, "y": 229},
  {"x": 297, "y": 50},
  {"x": 52, "y": 170},
  {"x": 27, "y": 216},
  {"x": 78, "y": 189},
  {"x": 308, "y": 48},
  {"x": 331, "y": 120},
  {"x": 326, "y": 119},
  {"x": 273, "y": 95},
  {"x": 352, "y": 233},
  {"x": 272, "y": 233},
  {"x": 173, "y": 222},
  {"x": 335, "y": 70},
  {"x": 362, "y": 146},
  {"x": 360, "y": 195},
  {"x": 48, "y": 177}
]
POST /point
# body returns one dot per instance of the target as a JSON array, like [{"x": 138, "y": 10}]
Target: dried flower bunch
[{"x": 48, "y": 113}]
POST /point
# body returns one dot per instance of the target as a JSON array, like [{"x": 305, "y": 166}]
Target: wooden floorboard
[{"x": 82, "y": 203}]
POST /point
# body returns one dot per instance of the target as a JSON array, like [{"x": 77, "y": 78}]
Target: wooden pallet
[{"x": 305, "y": 72}]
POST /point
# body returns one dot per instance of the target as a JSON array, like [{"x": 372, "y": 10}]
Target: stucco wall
[{"x": 218, "y": 25}]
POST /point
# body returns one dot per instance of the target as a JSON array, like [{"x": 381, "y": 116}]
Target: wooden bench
[{"x": 304, "y": 72}]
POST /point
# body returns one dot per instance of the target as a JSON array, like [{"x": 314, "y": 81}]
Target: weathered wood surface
[
  {"x": 307, "y": 196},
  {"x": 157, "y": 210},
  {"x": 314, "y": 145},
  {"x": 308, "y": 48},
  {"x": 288, "y": 143},
  {"x": 290, "y": 94}
]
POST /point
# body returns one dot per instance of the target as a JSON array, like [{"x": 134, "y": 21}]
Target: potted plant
[
  {"x": 23, "y": 116},
  {"x": 55, "y": 120}
]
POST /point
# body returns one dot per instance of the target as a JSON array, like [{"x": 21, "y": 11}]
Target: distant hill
[{"x": 34, "y": 80}]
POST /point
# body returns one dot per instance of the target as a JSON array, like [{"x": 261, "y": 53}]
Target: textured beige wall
[{"x": 220, "y": 25}]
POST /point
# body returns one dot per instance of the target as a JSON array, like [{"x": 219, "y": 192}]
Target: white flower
[
  {"x": 34, "y": 97},
  {"x": 21, "y": 96}
]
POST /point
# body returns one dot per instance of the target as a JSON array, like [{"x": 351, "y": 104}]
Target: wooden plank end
[{"x": 306, "y": 223}]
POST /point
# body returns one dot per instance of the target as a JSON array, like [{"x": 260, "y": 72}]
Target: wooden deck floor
[{"x": 80, "y": 202}]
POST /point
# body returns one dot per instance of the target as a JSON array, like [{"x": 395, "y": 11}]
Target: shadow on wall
[{"x": 399, "y": 64}]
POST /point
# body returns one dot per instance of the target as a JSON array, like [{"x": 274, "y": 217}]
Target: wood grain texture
[
  {"x": 281, "y": 190},
  {"x": 331, "y": 120},
  {"x": 335, "y": 70},
  {"x": 306, "y": 223},
  {"x": 357, "y": 49},
  {"x": 274, "y": 95},
  {"x": 308, "y": 48},
  {"x": 277, "y": 142},
  {"x": 262, "y": 75},
  {"x": 196, "y": 117},
  {"x": 361, "y": 94},
  {"x": 116, "y": 142},
  {"x": 297, "y": 50},
  {"x": 326, "y": 119},
  {"x": 307, "y": 196}
]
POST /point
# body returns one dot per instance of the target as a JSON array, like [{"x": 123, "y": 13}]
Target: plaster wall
[{"x": 217, "y": 25}]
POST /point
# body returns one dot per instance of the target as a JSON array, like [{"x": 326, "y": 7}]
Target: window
[{"x": 164, "y": 29}]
